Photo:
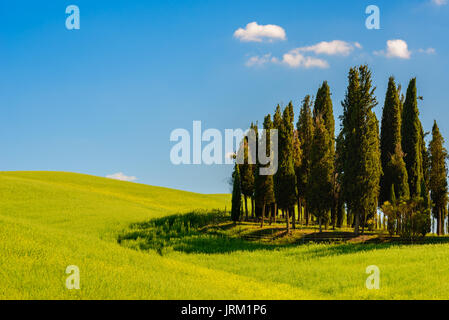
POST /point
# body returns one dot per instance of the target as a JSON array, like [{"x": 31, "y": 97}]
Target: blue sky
[{"x": 104, "y": 99}]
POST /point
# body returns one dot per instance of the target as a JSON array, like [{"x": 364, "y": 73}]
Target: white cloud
[
  {"x": 254, "y": 32},
  {"x": 427, "y": 51},
  {"x": 396, "y": 49},
  {"x": 121, "y": 176},
  {"x": 295, "y": 59},
  {"x": 439, "y": 2},
  {"x": 257, "y": 61},
  {"x": 334, "y": 47}
]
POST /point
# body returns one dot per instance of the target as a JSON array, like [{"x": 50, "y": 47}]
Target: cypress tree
[
  {"x": 297, "y": 158},
  {"x": 254, "y": 209},
  {"x": 411, "y": 140},
  {"x": 236, "y": 195},
  {"x": 264, "y": 189},
  {"x": 438, "y": 177},
  {"x": 286, "y": 171},
  {"x": 390, "y": 141},
  {"x": 305, "y": 133},
  {"x": 247, "y": 174},
  {"x": 322, "y": 161},
  {"x": 339, "y": 172},
  {"x": 277, "y": 123},
  {"x": 323, "y": 107},
  {"x": 372, "y": 167},
  {"x": 362, "y": 168},
  {"x": 426, "y": 170}
]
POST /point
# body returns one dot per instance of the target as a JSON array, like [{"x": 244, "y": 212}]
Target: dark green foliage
[
  {"x": 277, "y": 123},
  {"x": 361, "y": 146},
  {"x": 411, "y": 140},
  {"x": 438, "y": 177},
  {"x": 323, "y": 107},
  {"x": 305, "y": 129},
  {"x": 286, "y": 171},
  {"x": 390, "y": 139},
  {"x": 319, "y": 192},
  {"x": 264, "y": 189},
  {"x": 236, "y": 195},
  {"x": 247, "y": 173},
  {"x": 397, "y": 174}
]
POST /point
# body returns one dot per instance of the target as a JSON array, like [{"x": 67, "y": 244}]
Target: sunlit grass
[{"x": 49, "y": 220}]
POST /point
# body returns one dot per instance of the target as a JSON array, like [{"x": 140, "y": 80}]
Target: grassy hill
[{"x": 50, "y": 220}]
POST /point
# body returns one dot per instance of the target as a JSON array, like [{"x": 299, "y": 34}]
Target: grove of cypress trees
[
  {"x": 411, "y": 140},
  {"x": 438, "y": 177}
]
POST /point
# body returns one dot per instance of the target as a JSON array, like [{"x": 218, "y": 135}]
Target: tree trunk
[
  {"x": 299, "y": 210},
  {"x": 263, "y": 216},
  {"x": 275, "y": 211},
  {"x": 356, "y": 223},
  {"x": 246, "y": 207},
  {"x": 288, "y": 224},
  {"x": 270, "y": 207},
  {"x": 319, "y": 221},
  {"x": 252, "y": 207},
  {"x": 306, "y": 212},
  {"x": 292, "y": 210}
]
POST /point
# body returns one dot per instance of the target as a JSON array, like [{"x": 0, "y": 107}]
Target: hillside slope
[{"x": 50, "y": 220}]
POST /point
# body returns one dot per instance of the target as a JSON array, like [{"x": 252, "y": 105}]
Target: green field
[{"x": 50, "y": 220}]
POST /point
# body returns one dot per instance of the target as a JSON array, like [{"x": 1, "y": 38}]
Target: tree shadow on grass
[
  {"x": 205, "y": 232},
  {"x": 213, "y": 244}
]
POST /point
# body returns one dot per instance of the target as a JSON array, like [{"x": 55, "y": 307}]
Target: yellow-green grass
[{"x": 50, "y": 220}]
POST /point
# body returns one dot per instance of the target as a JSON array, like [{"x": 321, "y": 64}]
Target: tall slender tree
[
  {"x": 247, "y": 173},
  {"x": 320, "y": 189},
  {"x": 305, "y": 129},
  {"x": 254, "y": 208},
  {"x": 297, "y": 158},
  {"x": 360, "y": 132},
  {"x": 236, "y": 194},
  {"x": 390, "y": 143},
  {"x": 323, "y": 108},
  {"x": 411, "y": 140},
  {"x": 438, "y": 177},
  {"x": 277, "y": 123},
  {"x": 286, "y": 171},
  {"x": 264, "y": 189}
]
